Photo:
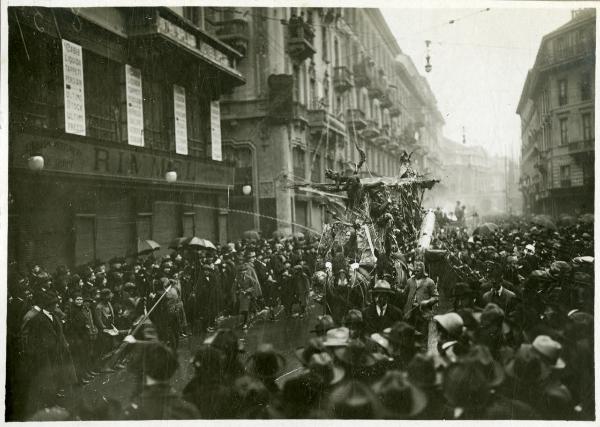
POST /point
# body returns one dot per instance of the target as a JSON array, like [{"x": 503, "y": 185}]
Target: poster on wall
[
  {"x": 215, "y": 130},
  {"x": 73, "y": 87},
  {"x": 135, "y": 106},
  {"x": 181, "y": 146}
]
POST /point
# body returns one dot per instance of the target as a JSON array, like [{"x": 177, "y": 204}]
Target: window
[
  {"x": 336, "y": 52},
  {"x": 561, "y": 47},
  {"x": 155, "y": 123},
  {"x": 102, "y": 96},
  {"x": 296, "y": 83},
  {"x": 315, "y": 174},
  {"x": 35, "y": 83},
  {"x": 565, "y": 176},
  {"x": 586, "y": 87},
  {"x": 324, "y": 45},
  {"x": 587, "y": 127},
  {"x": 564, "y": 131},
  {"x": 298, "y": 161},
  {"x": 562, "y": 92},
  {"x": 198, "y": 124}
]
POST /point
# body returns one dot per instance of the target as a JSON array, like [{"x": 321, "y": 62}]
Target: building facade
[
  {"x": 557, "y": 121},
  {"x": 484, "y": 183},
  {"x": 114, "y": 131},
  {"x": 319, "y": 81}
]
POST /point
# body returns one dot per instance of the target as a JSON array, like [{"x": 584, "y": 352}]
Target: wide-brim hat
[
  {"x": 48, "y": 298},
  {"x": 323, "y": 365},
  {"x": 265, "y": 362},
  {"x": 337, "y": 337},
  {"x": 549, "y": 350},
  {"x": 525, "y": 366},
  {"x": 355, "y": 354},
  {"x": 398, "y": 396},
  {"x": 422, "y": 373},
  {"x": 313, "y": 346},
  {"x": 382, "y": 286},
  {"x": 400, "y": 333},
  {"x": 106, "y": 293},
  {"x": 354, "y": 400},
  {"x": 492, "y": 369},
  {"x": 450, "y": 322}
]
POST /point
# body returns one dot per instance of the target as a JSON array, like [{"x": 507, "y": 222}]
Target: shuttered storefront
[{"x": 115, "y": 225}]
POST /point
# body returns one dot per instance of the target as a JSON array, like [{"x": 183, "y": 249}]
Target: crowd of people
[{"x": 515, "y": 342}]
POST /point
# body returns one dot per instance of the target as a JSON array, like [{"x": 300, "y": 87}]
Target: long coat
[
  {"x": 376, "y": 323},
  {"x": 418, "y": 293},
  {"x": 49, "y": 361}
]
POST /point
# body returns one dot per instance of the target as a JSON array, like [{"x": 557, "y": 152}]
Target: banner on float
[
  {"x": 179, "y": 106},
  {"x": 73, "y": 88},
  {"x": 135, "y": 106},
  {"x": 215, "y": 130}
]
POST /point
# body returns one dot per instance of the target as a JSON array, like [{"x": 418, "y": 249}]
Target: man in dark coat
[
  {"x": 302, "y": 286},
  {"x": 51, "y": 369},
  {"x": 82, "y": 334},
  {"x": 157, "y": 399},
  {"x": 104, "y": 317},
  {"x": 381, "y": 314}
]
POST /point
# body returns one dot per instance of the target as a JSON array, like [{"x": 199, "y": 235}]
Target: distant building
[
  {"x": 319, "y": 80},
  {"x": 557, "y": 121},
  {"x": 483, "y": 183}
]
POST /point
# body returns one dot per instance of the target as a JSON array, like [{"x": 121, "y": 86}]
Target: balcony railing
[
  {"x": 378, "y": 87},
  {"x": 371, "y": 130},
  {"x": 581, "y": 146},
  {"x": 355, "y": 120},
  {"x": 236, "y": 33},
  {"x": 300, "y": 41},
  {"x": 568, "y": 53},
  {"x": 342, "y": 79},
  {"x": 364, "y": 72}
]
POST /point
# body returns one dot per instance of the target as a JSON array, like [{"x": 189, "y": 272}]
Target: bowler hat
[
  {"x": 421, "y": 371},
  {"x": 159, "y": 362},
  {"x": 47, "y": 299},
  {"x": 399, "y": 397},
  {"x": 382, "y": 286},
  {"x": 355, "y": 354},
  {"x": 525, "y": 366},
  {"x": 402, "y": 334},
  {"x": 354, "y": 400},
  {"x": 266, "y": 362}
]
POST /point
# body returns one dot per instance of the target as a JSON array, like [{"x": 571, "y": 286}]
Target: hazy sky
[{"x": 479, "y": 65}]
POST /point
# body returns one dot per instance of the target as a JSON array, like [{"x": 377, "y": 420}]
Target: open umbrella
[
  {"x": 587, "y": 218},
  {"x": 177, "y": 242},
  {"x": 567, "y": 220},
  {"x": 251, "y": 235},
  {"x": 146, "y": 246},
  {"x": 486, "y": 229},
  {"x": 200, "y": 243},
  {"x": 544, "y": 221},
  {"x": 298, "y": 235}
]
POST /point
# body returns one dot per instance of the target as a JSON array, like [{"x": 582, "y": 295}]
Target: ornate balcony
[
  {"x": 300, "y": 39},
  {"x": 570, "y": 53},
  {"x": 383, "y": 139},
  {"x": 371, "y": 130},
  {"x": 342, "y": 79},
  {"x": 320, "y": 121},
  {"x": 355, "y": 120},
  {"x": 236, "y": 33},
  {"x": 378, "y": 87},
  {"x": 364, "y": 72},
  {"x": 281, "y": 105}
]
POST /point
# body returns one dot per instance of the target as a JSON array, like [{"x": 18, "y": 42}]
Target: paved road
[{"x": 286, "y": 334}]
